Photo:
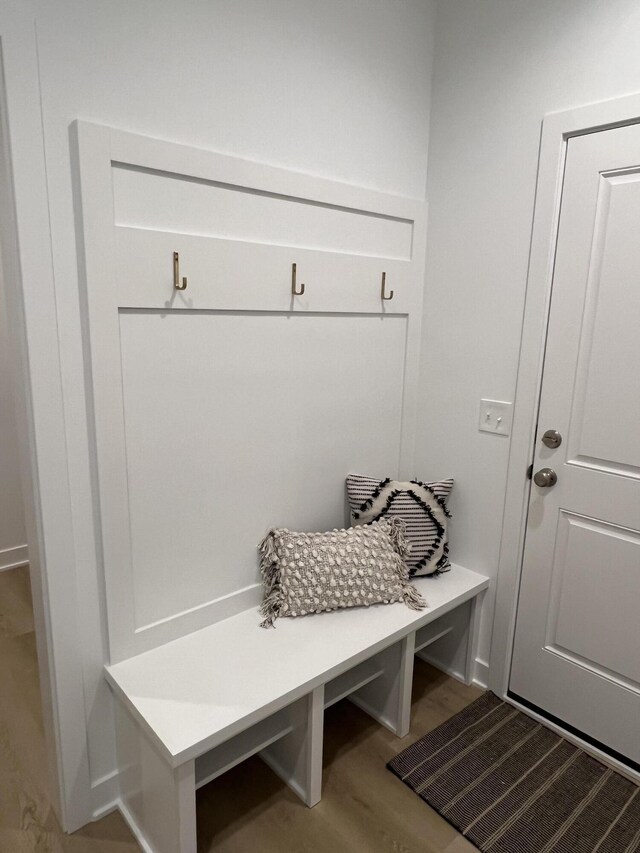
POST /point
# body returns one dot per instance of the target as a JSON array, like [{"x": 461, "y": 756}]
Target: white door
[{"x": 577, "y": 644}]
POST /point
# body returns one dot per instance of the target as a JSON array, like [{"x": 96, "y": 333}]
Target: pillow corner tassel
[{"x": 412, "y": 598}]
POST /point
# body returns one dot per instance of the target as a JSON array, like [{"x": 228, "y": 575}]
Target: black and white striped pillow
[{"x": 423, "y": 506}]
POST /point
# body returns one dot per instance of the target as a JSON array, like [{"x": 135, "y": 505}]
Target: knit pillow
[
  {"x": 312, "y": 572},
  {"x": 423, "y": 507}
]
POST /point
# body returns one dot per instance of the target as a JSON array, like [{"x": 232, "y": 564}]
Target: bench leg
[
  {"x": 297, "y": 757},
  {"x": 157, "y": 801},
  {"x": 388, "y": 698},
  {"x": 472, "y": 638}
]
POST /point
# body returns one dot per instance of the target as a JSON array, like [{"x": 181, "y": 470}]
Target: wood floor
[{"x": 248, "y": 810}]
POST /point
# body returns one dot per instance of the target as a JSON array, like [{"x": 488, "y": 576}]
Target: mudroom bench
[{"x": 191, "y": 709}]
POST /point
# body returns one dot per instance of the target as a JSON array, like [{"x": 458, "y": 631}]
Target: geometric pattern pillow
[
  {"x": 423, "y": 506},
  {"x": 312, "y": 572}
]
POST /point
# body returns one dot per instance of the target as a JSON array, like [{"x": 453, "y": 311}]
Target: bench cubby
[
  {"x": 351, "y": 681},
  {"x": 433, "y": 632},
  {"x": 217, "y": 761}
]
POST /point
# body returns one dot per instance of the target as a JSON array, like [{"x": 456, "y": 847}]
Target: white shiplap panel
[
  {"x": 233, "y": 427},
  {"x": 232, "y": 405}
]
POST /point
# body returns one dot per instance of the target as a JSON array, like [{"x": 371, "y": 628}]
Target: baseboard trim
[{"x": 13, "y": 558}]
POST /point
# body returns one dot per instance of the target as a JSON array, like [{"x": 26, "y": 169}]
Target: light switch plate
[{"x": 495, "y": 416}]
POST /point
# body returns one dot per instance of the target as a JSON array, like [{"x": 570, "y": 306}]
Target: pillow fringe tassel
[
  {"x": 270, "y": 607},
  {"x": 398, "y": 536}
]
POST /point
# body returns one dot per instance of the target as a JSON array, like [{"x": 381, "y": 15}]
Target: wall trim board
[
  {"x": 125, "y": 253},
  {"x": 209, "y": 611},
  {"x": 105, "y": 795},
  {"x": 137, "y": 833},
  {"x": 13, "y": 558},
  {"x": 557, "y": 129},
  {"x": 31, "y": 303},
  {"x": 481, "y": 674},
  {"x": 149, "y": 153}
]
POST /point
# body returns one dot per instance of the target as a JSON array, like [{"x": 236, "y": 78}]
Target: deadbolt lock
[
  {"x": 552, "y": 438},
  {"x": 545, "y": 478}
]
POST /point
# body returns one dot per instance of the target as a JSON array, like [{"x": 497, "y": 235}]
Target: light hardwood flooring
[
  {"x": 248, "y": 810},
  {"x": 27, "y": 821}
]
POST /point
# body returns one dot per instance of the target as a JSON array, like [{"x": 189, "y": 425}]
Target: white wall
[
  {"x": 500, "y": 65},
  {"x": 13, "y": 549},
  {"x": 337, "y": 89}
]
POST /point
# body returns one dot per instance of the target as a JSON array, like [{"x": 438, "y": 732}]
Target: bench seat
[{"x": 199, "y": 704}]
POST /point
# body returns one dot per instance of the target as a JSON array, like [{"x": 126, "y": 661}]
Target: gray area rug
[{"x": 511, "y": 785}]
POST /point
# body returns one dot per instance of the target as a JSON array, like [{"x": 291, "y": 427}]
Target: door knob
[
  {"x": 552, "y": 438},
  {"x": 545, "y": 478}
]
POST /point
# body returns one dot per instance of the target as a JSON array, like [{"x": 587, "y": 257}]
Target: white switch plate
[{"x": 495, "y": 416}]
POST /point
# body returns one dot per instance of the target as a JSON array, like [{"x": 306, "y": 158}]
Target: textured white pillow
[
  {"x": 313, "y": 572},
  {"x": 422, "y": 506}
]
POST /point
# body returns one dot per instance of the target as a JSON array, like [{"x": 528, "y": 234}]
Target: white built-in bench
[{"x": 193, "y": 708}]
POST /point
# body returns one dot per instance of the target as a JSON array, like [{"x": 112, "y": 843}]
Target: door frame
[
  {"x": 31, "y": 303},
  {"x": 557, "y": 129}
]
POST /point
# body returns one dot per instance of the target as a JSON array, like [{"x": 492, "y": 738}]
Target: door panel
[
  {"x": 577, "y": 633},
  {"x": 606, "y": 431},
  {"x": 575, "y": 628}
]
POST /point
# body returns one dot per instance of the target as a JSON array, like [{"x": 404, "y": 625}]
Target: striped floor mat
[{"x": 511, "y": 785}]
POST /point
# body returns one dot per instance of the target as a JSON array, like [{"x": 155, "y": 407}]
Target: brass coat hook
[
  {"x": 294, "y": 291},
  {"x": 176, "y": 273},
  {"x": 383, "y": 288}
]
